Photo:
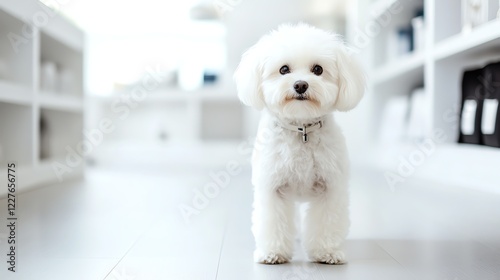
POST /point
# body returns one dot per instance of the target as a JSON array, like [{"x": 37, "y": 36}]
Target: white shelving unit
[
  {"x": 208, "y": 110},
  {"x": 438, "y": 68},
  {"x": 24, "y": 106},
  {"x": 209, "y": 113}
]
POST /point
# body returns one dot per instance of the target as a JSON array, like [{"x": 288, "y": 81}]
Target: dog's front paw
[
  {"x": 333, "y": 257},
  {"x": 269, "y": 258}
]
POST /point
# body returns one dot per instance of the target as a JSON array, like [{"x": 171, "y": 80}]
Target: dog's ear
[
  {"x": 248, "y": 78},
  {"x": 351, "y": 79}
]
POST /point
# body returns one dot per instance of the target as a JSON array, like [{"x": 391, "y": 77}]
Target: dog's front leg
[
  {"x": 326, "y": 226},
  {"x": 273, "y": 225}
]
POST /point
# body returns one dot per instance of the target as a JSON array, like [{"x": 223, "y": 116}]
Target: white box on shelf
[
  {"x": 392, "y": 46},
  {"x": 394, "y": 121},
  {"x": 418, "y": 117},
  {"x": 67, "y": 77},
  {"x": 418, "y": 25},
  {"x": 474, "y": 13},
  {"x": 48, "y": 75}
]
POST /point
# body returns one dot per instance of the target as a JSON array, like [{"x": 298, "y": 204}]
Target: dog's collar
[{"x": 304, "y": 128}]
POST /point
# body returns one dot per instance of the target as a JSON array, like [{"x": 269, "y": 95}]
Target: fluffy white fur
[{"x": 285, "y": 169}]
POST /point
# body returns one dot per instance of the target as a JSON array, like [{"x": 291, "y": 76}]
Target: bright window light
[{"x": 125, "y": 38}]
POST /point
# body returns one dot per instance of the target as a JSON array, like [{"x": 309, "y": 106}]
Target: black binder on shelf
[
  {"x": 490, "y": 120},
  {"x": 472, "y": 107}
]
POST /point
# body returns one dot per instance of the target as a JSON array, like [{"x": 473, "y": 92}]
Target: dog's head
[{"x": 299, "y": 72}]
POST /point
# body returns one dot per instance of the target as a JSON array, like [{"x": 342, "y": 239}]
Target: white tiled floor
[{"x": 126, "y": 224}]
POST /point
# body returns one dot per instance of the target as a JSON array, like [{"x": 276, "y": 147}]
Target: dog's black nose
[{"x": 300, "y": 86}]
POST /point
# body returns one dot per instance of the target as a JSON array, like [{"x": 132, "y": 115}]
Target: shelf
[
  {"x": 222, "y": 120},
  {"x": 37, "y": 123},
  {"x": 482, "y": 38},
  {"x": 179, "y": 95},
  {"x": 175, "y": 157},
  {"x": 34, "y": 176},
  {"x": 15, "y": 58},
  {"x": 477, "y": 166},
  {"x": 400, "y": 68},
  {"x": 61, "y": 102},
  {"x": 15, "y": 139},
  {"x": 59, "y": 132},
  {"x": 166, "y": 95},
  {"x": 45, "y": 170},
  {"x": 464, "y": 165},
  {"x": 219, "y": 97},
  {"x": 15, "y": 94},
  {"x": 440, "y": 69},
  {"x": 170, "y": 96}
]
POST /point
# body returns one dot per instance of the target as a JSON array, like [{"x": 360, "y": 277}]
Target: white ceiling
[
  {"x": 166, "y": 16},
  {"x": 122, "y": 17}
]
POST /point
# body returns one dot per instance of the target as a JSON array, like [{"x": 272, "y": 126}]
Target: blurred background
[
  {"x": 159, "y": 73},
  {"x": 160, "y": 76},
  {"x": 145, "y": 88}
]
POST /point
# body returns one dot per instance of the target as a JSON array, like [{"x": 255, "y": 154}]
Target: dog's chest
[{"x": 300, "y": 162}]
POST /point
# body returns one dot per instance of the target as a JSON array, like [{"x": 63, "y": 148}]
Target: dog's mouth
[
  {"x": 306, "y": 98},
  {"x": 300, "y": 97}
]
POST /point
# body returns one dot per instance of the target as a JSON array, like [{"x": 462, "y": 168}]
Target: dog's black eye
[
  {"x": 317, "y": 70},
  {"x": 284, "y": 70}
]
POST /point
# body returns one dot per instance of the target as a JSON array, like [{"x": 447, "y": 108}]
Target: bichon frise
[{"x": 298, "y": 75}]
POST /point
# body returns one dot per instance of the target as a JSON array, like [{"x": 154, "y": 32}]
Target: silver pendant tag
[{"x": 304, "y": 134}]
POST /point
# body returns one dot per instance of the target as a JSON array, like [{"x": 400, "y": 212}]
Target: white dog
[{"x": 297, "y": 75}]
